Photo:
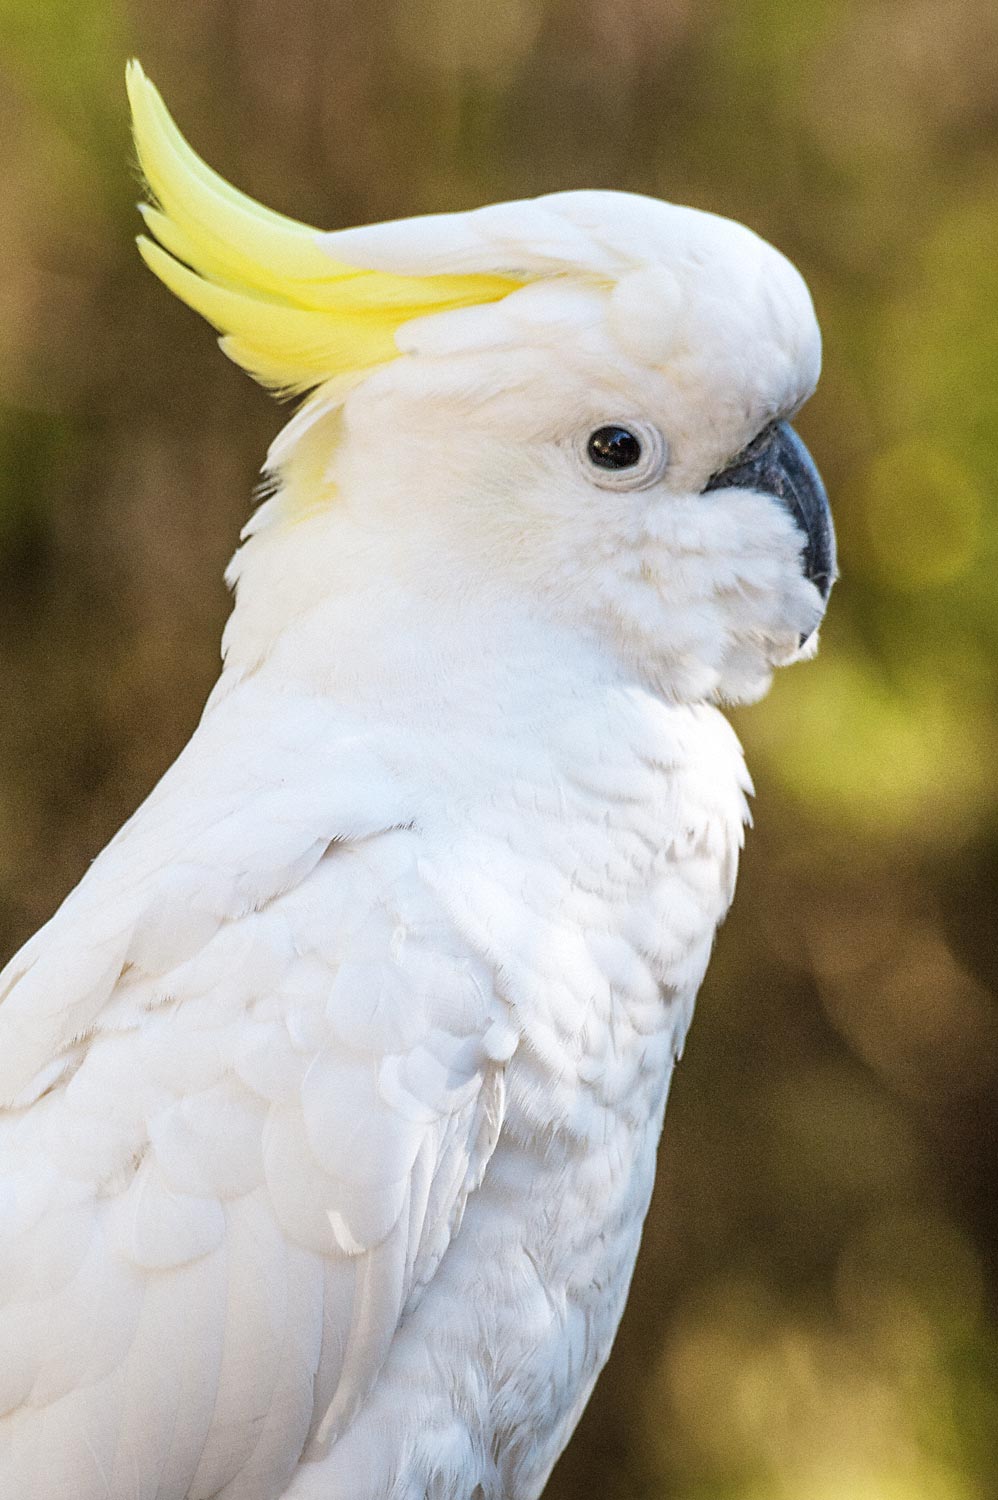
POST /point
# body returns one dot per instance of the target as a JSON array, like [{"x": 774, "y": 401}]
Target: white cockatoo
[{"x": 333, "y": 1091}]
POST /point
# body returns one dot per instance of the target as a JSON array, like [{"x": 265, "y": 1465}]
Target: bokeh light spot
[{"x": 923, "y": 515}]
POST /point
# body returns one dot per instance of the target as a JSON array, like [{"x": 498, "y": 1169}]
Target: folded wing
[{"x": 248, "y": 1097}]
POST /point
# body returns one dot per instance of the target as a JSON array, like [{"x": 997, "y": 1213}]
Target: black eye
[
  {"x": 613, "y": 448},
  {"x": 627, "y": 455}
]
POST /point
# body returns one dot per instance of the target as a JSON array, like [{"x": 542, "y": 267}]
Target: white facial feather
[{"x": 460, "y": 467}]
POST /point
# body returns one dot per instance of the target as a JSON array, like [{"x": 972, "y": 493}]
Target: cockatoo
[{"x": 333, "y": 1091}]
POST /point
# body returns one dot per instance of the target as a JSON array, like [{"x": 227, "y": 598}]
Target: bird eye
[
  {"x": 624, "y": 455},
  {"x": 614, "y": 448}
]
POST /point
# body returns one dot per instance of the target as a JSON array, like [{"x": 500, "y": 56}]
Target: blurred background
[{"x": 814, "y": 1313}]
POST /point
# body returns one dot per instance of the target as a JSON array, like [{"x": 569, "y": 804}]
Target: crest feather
[{"x": 289, "y": 313}]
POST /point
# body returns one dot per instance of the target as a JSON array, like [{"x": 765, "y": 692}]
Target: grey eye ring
[{"x": 625, "y": 454}]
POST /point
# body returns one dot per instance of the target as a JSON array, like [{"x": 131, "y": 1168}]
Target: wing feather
[{"x": 251, "y": 1091}]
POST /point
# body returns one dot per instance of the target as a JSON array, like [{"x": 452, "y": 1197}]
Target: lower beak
[{"x": 778, "y": 464}]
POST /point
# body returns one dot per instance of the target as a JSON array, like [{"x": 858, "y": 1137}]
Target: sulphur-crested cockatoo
[{"x": 333, "y": 1091}]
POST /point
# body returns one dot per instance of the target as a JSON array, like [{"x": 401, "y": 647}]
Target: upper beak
[{"x": 778, "y": 464}]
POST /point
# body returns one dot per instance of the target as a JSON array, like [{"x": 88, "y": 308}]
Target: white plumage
[{"x": 333, "y": 1091}]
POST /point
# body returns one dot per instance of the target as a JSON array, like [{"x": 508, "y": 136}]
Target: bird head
[{"x": 577, "y": 403}]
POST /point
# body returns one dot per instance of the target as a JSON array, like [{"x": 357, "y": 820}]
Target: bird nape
[{"x": 333, "y": 1091}]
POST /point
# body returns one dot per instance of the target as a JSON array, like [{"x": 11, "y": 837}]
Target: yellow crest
[{"x": 287, "y": 312}]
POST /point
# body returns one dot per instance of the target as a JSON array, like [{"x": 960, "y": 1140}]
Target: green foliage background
[{"x": 814, "y": 1311}]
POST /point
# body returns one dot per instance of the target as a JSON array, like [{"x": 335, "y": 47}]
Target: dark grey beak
[{"x": 778, "y": 464}]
